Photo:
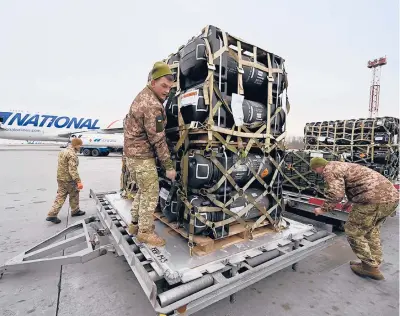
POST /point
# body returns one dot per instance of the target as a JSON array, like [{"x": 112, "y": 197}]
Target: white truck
[{"x": 99, "y": 144}]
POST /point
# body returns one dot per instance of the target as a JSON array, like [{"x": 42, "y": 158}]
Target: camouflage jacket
[
  {"x": 144, "y": 129},
  {"x": 360, "y": 184},
  {"x": 68, "y": 166}
]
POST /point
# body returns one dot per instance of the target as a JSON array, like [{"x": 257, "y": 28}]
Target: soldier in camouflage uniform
[
  {"x": 69, "y": 182},
  {"x": 144, "y": 139},
  {"x": 373, "y": 199}
]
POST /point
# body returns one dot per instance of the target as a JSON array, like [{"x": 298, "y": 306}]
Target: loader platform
[
  {"x": 174, "y": 281},
  {"x": 193, "y": 282}
]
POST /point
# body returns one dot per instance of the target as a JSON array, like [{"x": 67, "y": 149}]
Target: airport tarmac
[{"x": 322, "y": 285}]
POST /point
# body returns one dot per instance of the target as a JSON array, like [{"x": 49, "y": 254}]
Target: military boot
[
  {"x": 53, "y": 219},
  {"x": 150, "y": 237},
  {"x": 78, "y": 213},
  {"x": 355, "y": 263},
  {"x": 365, "y": 270},
  {"x": 133, "y": 229}
]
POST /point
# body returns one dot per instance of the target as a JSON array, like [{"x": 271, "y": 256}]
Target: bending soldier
[
  {"x": 69, "y": 182},
  {"x": 144, "y": 139},
  {"x": 374, "y": 198}
]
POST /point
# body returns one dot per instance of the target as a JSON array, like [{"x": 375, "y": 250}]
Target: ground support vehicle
[{"x": 95, "y": 151}]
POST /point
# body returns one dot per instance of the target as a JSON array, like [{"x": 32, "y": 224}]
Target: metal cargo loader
[{"x": 175, "y": 282}]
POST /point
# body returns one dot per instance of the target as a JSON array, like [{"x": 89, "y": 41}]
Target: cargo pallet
[
  {"x": 373, "y": 142},
  {"x": 229, "y": 104},
  {"x": 174, "y": 282},
  {"x": 205, "y": 245}
]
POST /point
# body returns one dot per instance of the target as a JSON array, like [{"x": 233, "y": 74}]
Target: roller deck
[{"x": 174, "y": 282}]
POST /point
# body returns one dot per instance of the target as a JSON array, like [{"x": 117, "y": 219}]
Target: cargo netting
[
  {"x": 226, "y": 128},
  {"x": 298, "y": 176},
  {"x": 372, "y": 142}
]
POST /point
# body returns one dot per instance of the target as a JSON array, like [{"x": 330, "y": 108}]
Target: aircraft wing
[
  {"x": 117, "y": 130},
  {"x": 68, "y": 135}
]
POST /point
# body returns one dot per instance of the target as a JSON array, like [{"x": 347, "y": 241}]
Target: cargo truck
[{"x": 99, "y": 144}]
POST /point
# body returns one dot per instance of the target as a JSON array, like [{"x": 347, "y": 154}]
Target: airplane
[{"x": 23, "y": 125}]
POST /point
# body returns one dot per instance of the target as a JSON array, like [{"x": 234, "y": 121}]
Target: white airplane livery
[{"x": 17, "y": 125}]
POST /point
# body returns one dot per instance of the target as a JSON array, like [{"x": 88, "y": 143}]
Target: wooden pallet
[{"x": 205, "y": 245}]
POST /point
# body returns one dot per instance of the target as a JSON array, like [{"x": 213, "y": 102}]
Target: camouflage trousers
[
  {"x": 65, "y": 189},
  {"x": 363, "y": 231},
  {"x": 144, "y": 173}
]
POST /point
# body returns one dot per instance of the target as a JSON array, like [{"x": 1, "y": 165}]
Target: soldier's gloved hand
[
  {"x": 171, "y": 174},
  {"x": 79, "y": 185}
]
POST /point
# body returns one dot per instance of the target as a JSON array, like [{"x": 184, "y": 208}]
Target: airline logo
[
  {"x": 98, "y": 140},
  {"x": 37, "y": 120}
]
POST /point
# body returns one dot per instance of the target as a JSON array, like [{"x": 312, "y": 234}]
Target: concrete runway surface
[{"x": 323, "y": 284}]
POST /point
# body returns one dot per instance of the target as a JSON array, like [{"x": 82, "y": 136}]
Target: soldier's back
[
  {"x": 63, "y": 164},
  {"x": 365, "y": 185}
]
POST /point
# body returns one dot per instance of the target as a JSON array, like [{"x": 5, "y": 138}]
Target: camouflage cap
[
  {"x": 317, "y": 162},
  {"x": 76, "y": 142},
  {"x": 159, "y": 70}
]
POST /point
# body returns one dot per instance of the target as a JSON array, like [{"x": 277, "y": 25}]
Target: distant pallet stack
[
  {"x": 226, "y": 126},
  {"x": 373, "y": 142}
]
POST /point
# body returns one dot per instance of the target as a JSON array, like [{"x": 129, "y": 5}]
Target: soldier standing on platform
[{"x": 144, "y": 139}]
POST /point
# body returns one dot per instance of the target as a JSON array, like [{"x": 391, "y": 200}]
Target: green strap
[
  {"x": 240, "y": 69},
  {"x": 223, "y": 171},
  {"x": 234, "y": 216},
  {"x": 253, "y": 140},
  {"x": 259, "y": 207},
  {"x": 270, "y": 81},
  {"x": 225, "y": 143},
  {"x": 181, "y": 140}
]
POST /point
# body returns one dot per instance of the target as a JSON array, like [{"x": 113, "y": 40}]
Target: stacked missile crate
[
  {"x": 373, "y": 142},
  {"x": 225, "y": 128}
]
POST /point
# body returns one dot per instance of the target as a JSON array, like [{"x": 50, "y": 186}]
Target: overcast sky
[{"x": 91, "y": 57}]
